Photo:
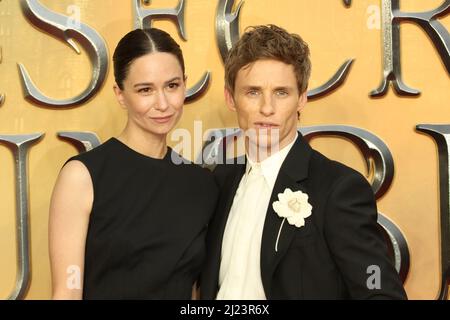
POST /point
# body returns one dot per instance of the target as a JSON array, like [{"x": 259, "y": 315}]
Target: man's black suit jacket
[{"x": 333, "y": 256}]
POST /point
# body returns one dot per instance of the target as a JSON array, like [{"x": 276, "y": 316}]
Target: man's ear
[
  {"x": 119, "y": 95},
  {"x": 229, "y": 100},
  {"x": 302, "y": 101}
]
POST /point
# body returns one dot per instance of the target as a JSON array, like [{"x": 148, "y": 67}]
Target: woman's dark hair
[{"x": 138, "y": 43}]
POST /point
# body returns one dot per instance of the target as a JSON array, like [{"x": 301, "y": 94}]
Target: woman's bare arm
[{"x": 70, "y": 207}]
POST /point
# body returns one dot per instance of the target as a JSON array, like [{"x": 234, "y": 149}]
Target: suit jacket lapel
[
  {"x": 217, "y": 229},
  {"x": 293, "y": 170},
  {"x": 230, "y": 188}
]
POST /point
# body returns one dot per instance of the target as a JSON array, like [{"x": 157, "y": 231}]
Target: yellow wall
[{"x": 335, "y": 33}]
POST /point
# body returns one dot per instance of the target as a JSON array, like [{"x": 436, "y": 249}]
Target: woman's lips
[{"x": 162, "y": 119}]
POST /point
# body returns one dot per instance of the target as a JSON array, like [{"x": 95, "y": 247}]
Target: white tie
[{"x": 242, "y": 276}]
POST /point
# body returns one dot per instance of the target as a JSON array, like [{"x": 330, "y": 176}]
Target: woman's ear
[
  {"x": 302, "y": 101},
  {"x": 119, "y": 95},
  {"x": 229, "y": 99},
  {"x": 185, "y": 82}
]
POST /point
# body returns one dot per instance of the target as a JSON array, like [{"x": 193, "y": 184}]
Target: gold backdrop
[{"x": 335, "y": 33}]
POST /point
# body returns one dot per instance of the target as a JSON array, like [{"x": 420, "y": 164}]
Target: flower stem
[{"x": 278, "y": 237}]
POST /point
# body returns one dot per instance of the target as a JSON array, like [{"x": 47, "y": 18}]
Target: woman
[{"x": 125, "y": 221}]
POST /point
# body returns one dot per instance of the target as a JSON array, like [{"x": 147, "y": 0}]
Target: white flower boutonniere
[{"x": 294, "y": 207}]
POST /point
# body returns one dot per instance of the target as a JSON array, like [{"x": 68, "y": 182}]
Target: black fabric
[
  {"x": 330, "y": 256},
  {"x": 147, "y": 227}
]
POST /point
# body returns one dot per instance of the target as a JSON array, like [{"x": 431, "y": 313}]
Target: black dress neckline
[
  {"x": 166, "y": 157},
  {"x": 147, "y": 226}
]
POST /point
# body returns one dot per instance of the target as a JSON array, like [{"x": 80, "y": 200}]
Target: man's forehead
[
  {"x": 267, "y": 71},
  {"x": 267, "y": 62}
]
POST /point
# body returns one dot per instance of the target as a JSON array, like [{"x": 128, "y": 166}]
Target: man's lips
[{"x": 265, "y": 125}]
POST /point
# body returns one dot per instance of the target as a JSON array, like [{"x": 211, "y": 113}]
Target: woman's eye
[
  {"x": 173, "y": 85},
  {"x": 144, "y": 90}
]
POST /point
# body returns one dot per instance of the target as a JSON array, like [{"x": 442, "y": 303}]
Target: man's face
[{"x": 266, "y": 99}]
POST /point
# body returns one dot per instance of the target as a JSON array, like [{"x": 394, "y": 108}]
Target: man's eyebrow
[
  {"x": 287, "y": 88},
  {"x": 250, "y": 87}
]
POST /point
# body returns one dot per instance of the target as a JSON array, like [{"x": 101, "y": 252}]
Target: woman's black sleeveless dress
[{"x": 146, "y": 234}]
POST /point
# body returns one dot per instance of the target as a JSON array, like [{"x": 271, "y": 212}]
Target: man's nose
[{"x": 267, "y": 106}]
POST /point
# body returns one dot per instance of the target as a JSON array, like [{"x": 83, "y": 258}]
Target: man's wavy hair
[{"x": 269, "y": 42}]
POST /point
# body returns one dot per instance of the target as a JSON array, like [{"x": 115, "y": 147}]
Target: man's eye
[
  {"x": 281, "y": 93},
  {"x": 253, "y": 93}
]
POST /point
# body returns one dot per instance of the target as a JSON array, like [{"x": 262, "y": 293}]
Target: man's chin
[{"x": 263, "y": 145}]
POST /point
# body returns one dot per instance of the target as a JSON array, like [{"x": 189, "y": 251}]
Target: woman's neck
[{"x": 149, "y": 144}]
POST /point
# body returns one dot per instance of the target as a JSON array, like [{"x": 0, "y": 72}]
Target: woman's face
[{"x": 153, "y": 93}]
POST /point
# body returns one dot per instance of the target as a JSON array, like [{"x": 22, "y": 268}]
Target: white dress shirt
[{"x": 240, "y": 272}]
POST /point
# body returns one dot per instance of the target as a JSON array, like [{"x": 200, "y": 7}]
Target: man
[{"x": 290, "y": 223}]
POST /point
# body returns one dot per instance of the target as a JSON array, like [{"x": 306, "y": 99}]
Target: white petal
[
  {"x": 284, "y": 212},
  {"x": 300, "y": 223},
  {"x": 304, "y": 197},
  {"x": 291, "y": 220},
  {"x": 285, "y": 196},
  {"x": 288, "y": 191},
  {"x": 306, "y": 211},
  {"x": 294, "y": 220},
  {"x": 277, "y": 206},
  {"x": 298, "y": 194}
]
